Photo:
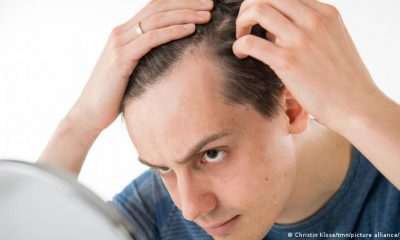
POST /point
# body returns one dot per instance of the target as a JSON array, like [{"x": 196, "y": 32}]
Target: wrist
[
  {"x": 375, "y": 109},
  {"x": 69, "y": 145},
  {"x": 79, "y": 127},
  {"x": 77, "y": 118}
]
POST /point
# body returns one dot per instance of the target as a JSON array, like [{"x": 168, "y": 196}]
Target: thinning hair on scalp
[{"x": 245, "y": 81}]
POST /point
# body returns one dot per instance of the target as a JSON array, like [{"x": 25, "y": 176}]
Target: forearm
[
  {"x": 68, "y": 146},
  {"x": 375, "y": 131}
]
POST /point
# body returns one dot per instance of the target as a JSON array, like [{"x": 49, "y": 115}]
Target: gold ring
[{"x": 138, "y": 28}]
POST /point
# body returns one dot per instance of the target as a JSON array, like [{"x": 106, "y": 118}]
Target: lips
[{"x": 222, "y": 228}]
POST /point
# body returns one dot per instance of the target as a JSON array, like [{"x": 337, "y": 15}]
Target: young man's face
[{"x": 238, "y": 169}]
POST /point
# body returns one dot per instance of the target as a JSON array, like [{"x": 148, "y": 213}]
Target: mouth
[{"x": 222, "y": 229}]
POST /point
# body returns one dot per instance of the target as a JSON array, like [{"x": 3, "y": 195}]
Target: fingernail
[
  {"x": 203, "y": 13},
  {"x": 189, "y": 26}
]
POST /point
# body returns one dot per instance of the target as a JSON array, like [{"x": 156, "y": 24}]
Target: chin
[
  {"x": 242, "y": 233},
  {"x": 240, "y": 236}
]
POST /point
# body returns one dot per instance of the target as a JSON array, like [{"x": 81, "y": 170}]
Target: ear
[{"x": 297, "y": 116}]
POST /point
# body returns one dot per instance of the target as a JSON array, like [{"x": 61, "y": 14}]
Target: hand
[
  {"x": 161, "y": 21},
  {"x": 310, "y": 49}
]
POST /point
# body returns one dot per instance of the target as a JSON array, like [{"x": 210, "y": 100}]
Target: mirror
[{"x": 39, "y": 202}]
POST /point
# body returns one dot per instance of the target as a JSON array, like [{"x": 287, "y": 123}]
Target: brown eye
[
  {"x": 212, "y": 153},
  {"x": 213, "y": 156}
]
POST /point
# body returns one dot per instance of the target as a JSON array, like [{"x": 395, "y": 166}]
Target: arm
[
  {"x": 375, "y": 131},
  {"x": 68, "y": 147},
  {"x": 309, "y": 48},
  {"x": 99, "y": 104}
]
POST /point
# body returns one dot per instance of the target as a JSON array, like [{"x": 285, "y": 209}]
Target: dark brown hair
[{"x": 246, "y": 81}]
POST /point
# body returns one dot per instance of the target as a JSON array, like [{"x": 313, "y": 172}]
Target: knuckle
[
  {"x": 331, "y": 11},
  {"x": 248, "y": 41},
  {"x": 246, "y": 5},
  {"x": 115, "y": 32},
  {"x": 153, "y": 3},
  {"x": 286, "y": 58},
  {"x": 247, "y": 10},
  {"x": 315, "y": 22},
  {"x": 256, "y": 10}
]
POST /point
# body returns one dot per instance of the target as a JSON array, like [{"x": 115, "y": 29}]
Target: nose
[{"x": 195, "y": 197}]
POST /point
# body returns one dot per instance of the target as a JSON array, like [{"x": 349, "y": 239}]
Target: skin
[
  {"x": 257, "y": 172},
  {"x": 344, "y": 99},
  {"x": 99, "y": 103}
]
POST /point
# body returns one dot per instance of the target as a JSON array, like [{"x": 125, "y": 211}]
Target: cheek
[
  {"x": 279, "y": 171},
  {"x": 269, "y": 183},
  {"x": 260, "y": 188},
  {"x": 263, "y": 175}
]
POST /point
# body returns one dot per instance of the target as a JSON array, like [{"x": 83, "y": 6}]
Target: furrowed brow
[{"x": 193, "y": 150}]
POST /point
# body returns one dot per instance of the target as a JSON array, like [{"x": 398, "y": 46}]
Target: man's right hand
[
  {"x": 161, "y": 21},
  {"x": 99, "y": 104}
]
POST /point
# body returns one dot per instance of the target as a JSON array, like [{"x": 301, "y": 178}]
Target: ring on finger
[{"x": 138, "y": 28}]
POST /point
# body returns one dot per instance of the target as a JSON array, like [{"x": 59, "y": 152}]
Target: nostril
[
  {"x": 194, "y": 208},
  {"x": 190, "y": 211},
  {"x": 210, "y": 202}
]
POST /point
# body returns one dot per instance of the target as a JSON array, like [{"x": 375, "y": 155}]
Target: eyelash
[{"x": 159, "y": 170}]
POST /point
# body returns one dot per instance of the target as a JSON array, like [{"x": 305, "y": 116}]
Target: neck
[{"x": 323, "y": 159}]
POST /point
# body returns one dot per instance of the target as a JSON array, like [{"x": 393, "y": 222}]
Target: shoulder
[{"x": 381, "y": 205}]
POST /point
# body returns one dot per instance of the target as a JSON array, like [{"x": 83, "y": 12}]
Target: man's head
[
  {"x": 242, "y": 82},
  {"x": 218, "y": 128}
]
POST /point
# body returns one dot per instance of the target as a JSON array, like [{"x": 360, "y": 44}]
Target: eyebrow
[{"x": 194, "y": 150}]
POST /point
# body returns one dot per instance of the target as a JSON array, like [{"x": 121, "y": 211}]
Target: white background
[{"x": 49, "y": 48}]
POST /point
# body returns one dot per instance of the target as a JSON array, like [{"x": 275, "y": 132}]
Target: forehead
[{"x": 184, "y": 106}]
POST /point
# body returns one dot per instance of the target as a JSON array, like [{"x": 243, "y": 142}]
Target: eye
[{"x": 213, "y": 156}]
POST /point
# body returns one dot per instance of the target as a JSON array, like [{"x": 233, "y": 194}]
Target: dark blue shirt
[{"x": 366, "y": 206}]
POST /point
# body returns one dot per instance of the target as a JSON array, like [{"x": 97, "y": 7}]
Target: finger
[
  {"x": 137, "y": 48},
  {"x": 158, "y": 6},
  {"x": 302, "y": 15},
  {"x": 165, "y": 19},
  {"x": 299, "y": 13},
  {"x": 176, "y": 17},
  {"x": 270, "y": 19},
  {"x": 322, "y": 8},
  {"x": 164, "y": 5},
  {"x": 337, "y": 29},
  {"x": 271, "y": 37},
  {"x": 256, "y": 47}
]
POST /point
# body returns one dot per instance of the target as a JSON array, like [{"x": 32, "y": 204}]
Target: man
[{"x": 227, "y": 167}]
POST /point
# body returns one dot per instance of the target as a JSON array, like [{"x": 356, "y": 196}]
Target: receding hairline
[{"x": 198, "y": 52}]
